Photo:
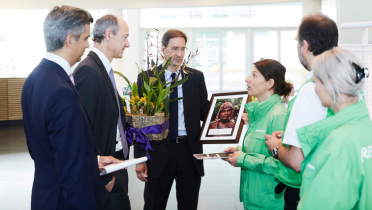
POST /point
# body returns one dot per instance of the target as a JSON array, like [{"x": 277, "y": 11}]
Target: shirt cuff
[
  {"x": 98, "y": 158},
  {"x": 241, "y": 157}
]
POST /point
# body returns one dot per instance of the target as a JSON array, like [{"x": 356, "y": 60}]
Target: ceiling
[{"x": 126, "y": 4}]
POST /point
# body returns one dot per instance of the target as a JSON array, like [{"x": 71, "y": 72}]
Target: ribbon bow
[{"x": 142, "y": 139}]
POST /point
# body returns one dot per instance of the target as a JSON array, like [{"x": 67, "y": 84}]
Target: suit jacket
[
  {"x": 196, "y": 105},
  {"x": 98, "y": 95},
  {"x": 60, "y": 141}
]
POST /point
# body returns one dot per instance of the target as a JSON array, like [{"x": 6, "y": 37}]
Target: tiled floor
[{"x": 219, "y": 189}]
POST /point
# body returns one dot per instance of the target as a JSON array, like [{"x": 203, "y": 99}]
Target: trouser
[
  {"x": 291, "y": 196},
  {"x": 118, "y": 198},
  {"x": 180, "y": 166}
]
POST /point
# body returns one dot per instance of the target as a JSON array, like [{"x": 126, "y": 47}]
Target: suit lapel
[
  {"x": 186, "y": 91},
  {"x": 104, "y": 73}
]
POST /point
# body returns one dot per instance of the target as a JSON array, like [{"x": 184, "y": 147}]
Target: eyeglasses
[{"x": 175, "y": 50}]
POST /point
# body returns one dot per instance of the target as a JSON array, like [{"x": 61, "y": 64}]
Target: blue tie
[
  {"x": 124, "y": 142},
  {"x": 173, "y": 110}
]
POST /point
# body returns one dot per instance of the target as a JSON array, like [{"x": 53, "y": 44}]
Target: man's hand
[
  {"x": 105, "y": 160},
  {"x": 141, "y": 171},
  {"x": 233, "y": 159},
  {"x": 245, "y": 118},
  {"x": 273, "y": 141}
]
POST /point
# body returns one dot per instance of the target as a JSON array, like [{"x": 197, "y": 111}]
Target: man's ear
[
  {"x": 305, "y": 46},
  {"x": 70, "y": 39},
  {"x": 270, "y": 84},
  {"x": 108, "y": 34}
]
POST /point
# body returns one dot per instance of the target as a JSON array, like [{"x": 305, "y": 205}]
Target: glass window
[
  {"x": 283, "y": 14},
  {"x": 208, "y": 61},
  {"x": 234, "y": 59},
  {"x": 265, "y": 45}
]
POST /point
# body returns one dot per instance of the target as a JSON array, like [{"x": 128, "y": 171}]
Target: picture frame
[{"x": 223, "y": 123}]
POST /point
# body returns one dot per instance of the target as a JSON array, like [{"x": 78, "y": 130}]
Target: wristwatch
[{"x": 275, "y": 151}]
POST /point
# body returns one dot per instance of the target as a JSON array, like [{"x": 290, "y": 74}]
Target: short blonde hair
[{"x": 335, "y": 65}]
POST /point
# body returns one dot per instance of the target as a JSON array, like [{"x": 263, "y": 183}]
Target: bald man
[{"x": 95, "y": 82}]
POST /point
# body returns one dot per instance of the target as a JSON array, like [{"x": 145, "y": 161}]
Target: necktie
[
  {"x": 72, "y": 78},
  {"x": 173, "y": 109},
  {"x": 124, "y": 142}
]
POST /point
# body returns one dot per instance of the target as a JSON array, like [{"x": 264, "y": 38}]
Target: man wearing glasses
[{"x": 172, "y": 158}]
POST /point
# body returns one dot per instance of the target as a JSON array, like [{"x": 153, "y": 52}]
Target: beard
[{"x": 303, "y": 60}]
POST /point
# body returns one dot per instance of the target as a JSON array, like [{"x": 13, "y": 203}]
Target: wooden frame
[{"x": 211, "y": 135}]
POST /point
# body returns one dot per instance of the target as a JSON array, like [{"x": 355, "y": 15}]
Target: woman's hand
[
  {"x": 233, "y": 159},
  {"x": 231, "y": 149},
  {"x": 245, "y": 118}
]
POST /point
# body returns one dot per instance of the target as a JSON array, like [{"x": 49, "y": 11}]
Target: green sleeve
[
  {"x": 332, "y": 181},
  {"x": 257, "y": 162}
]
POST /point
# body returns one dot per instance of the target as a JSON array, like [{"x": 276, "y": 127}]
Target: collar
[
  {"x": 310, "y": 136},
  {"x": 60, "y": 61},
  {"x": 256, "y": 110},
  {"x": 309, "y": 75},
  {"x": 104, "y": 59},
  {"x": 168, "y": 74}
]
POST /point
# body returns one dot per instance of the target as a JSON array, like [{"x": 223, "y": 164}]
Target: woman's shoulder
[{"x": 278, "y": 110}]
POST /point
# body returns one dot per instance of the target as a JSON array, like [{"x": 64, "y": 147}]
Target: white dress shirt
[
  {"x": 64, "y": 64},
  {"x": 107, "y": 65},
  {"x": 181, "y": 115},
  {"x": 307, "y": 109},
  {"x": 60, "y": 61}
]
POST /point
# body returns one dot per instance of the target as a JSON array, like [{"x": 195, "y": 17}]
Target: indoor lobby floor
[{"x": 219, "y": 187}]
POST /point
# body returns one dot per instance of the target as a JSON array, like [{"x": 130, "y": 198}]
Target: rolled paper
[{"x": 142, "y": 139}]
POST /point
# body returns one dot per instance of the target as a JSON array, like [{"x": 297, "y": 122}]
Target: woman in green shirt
[
  {"x": 266, "y": 115},
  {"x": 337, "y": 169}
]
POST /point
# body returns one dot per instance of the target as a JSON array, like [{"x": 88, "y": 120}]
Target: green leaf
[
  {"x": 176, "y": 99},
  {"x": 148, "y": 89},
  {"x": 178, "y": 83},
  {"x": 143, "y": 90},
  {"x": 145, "y": 78},
  {"x": 152, "y": 62},
  {"x": 166, "y": 107},
  {"x": 165, "y": 67},
  {"x": 124, "y": 77},
  {"x": 160, "y": 87},
  {"x": 135, "y": 89},
  {"x": 153, "y": 82}
]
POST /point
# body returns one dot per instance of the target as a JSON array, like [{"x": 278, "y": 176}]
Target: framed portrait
[{"x": 223, "y": 123}]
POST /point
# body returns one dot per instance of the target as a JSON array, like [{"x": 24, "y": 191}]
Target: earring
[{"x": 269, "y": 93}]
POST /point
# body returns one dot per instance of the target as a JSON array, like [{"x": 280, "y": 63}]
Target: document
[
  {"x": 212, "y": 155},
  {"x": 118, "y": 166}
]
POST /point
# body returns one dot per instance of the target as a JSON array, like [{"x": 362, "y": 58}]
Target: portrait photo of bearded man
[{"x": 223, "y": 120}]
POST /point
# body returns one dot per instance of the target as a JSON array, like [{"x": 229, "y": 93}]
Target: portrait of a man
[{"x": 222, "y": 121}]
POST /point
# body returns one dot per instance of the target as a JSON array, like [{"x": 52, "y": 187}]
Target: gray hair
[
  {"x": 62, "y": 21},
  {"x": 335, "y": 65},
  {"x": 102, "y": 24}
]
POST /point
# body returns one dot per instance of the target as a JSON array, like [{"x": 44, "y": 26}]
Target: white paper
[
  {"x": 227, "y": 131},
  {"x": 118, "y": 166}
]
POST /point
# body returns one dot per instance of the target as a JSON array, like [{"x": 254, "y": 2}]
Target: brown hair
[
  {"x": 272, "y": 69},
  {"x": 172, "y": 33}
]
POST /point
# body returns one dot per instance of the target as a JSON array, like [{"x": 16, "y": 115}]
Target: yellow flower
[
  {"x": 132, "y": 100},
  {"x": 162, "y": 105},
  {"x": 137, "y": 97},
  {"x": 125, "y": 109},
  {"x": 152, "y": 104},
  {"x": 143, "y": 100}
]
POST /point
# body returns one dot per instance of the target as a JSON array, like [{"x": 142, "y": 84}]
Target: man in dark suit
[
  {"x": 59, "y": 136},
  {"x": 95, "y": 83},
  {"x": 172, "y": 158}
]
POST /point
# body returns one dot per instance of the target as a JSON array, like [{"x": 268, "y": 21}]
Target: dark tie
[
  {"x": 173, "y": 109},
  {"x": 124, "y": 142}
]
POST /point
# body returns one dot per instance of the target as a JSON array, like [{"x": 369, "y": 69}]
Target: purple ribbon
[{"x": 142, "y": 139}]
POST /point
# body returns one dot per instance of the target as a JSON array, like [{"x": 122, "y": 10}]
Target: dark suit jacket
[
  {"x": 96, "y": 91},
  {"x": 60, "y": 141},
  {"x": 195, "y": 105}
]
